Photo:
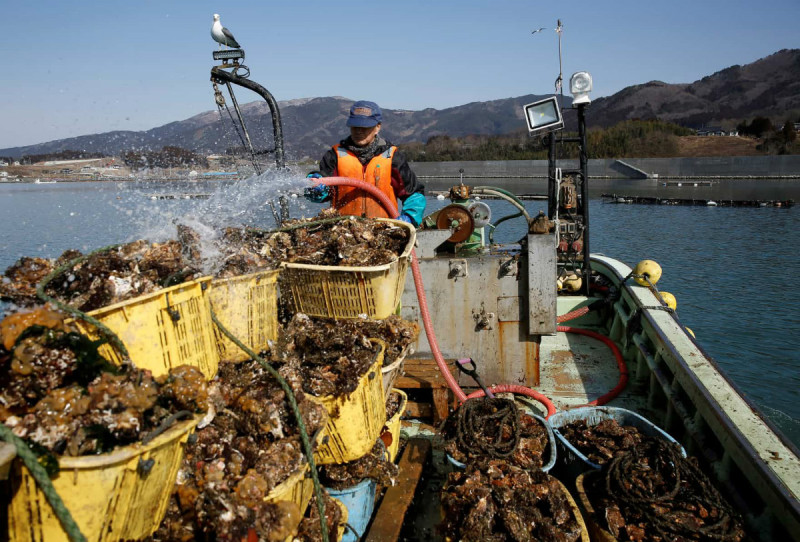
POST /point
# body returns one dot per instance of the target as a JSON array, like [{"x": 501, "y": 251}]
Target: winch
[{"x": 466, "y": 217}]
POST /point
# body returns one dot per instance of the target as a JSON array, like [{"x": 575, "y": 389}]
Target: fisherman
[{"x": 366, "y": 156}]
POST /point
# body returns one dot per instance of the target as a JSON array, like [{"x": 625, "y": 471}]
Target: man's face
[{"x": 364, "y": 136}]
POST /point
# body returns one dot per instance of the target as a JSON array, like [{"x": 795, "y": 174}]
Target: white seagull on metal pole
[{"x": 222, "y": 35}]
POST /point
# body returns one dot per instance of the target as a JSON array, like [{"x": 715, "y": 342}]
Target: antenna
[{"x": 559, "y": 81}]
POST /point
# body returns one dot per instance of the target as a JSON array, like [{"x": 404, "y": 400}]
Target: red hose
[
  {"x": 423, "y": 302},
  {"x": 390, "y": 208},
  {"x": 623, "y": 369},
  {"x": 573, "y": 314},
  {"x": 522, "y": 390}
]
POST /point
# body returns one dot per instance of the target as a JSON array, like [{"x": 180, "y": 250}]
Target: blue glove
[
  {"x": 314, "y": 175},
  {"x": 317, "y": 194},
  {"x": 405, "y": 217}
]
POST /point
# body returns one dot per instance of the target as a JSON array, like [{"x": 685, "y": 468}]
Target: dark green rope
[
  {"x": 110, "y": 335},
  {"x": 46, "y": 486},
  {"x": 296, "y": 411}
]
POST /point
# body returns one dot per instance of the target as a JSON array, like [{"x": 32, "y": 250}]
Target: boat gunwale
[{"x": 738, "y": 438}]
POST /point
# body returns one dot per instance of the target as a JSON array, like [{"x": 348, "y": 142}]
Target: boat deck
[{"x": 575, "y": 369}]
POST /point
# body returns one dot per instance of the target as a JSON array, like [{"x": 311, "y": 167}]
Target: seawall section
[{"x": 787, "y": 166}]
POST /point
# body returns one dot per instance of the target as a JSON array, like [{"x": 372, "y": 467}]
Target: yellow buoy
[
  {"x": 669, "y": 300},
  {"x": 649, "y": 269},
  {"x": 690, "y": 332}
]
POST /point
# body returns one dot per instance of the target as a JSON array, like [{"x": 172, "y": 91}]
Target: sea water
[{"x": 731, "y": 269}]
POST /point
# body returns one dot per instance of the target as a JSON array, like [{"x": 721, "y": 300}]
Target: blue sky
[{"x": 76, "y": 68}]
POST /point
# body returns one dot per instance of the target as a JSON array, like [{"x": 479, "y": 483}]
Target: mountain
[
  {"x": 768, "y": 87},
  {"x": 310, "y": 126}
]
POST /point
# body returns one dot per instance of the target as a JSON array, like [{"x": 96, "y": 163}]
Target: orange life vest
[{"x": 378, "y": 172}]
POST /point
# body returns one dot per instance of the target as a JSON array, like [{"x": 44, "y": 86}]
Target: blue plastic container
[
  {"x": 551, "y": 441},
  {"x": 573, "y": 459},
  {"x": 360, "y": 502}
]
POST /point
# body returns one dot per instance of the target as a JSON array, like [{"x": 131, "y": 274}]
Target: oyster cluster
[
  {"x": 531, "y": 452},
  {"x": 495, "y": 501},
  {"x": 650, "y": 492},
  {"x": 603, "y": 441},
  {"x": 327, "y": 357},
  {"x": 59, "y": 393},
  {"x": 236, "y": 459},
  {"x": 375, "y": 465},
  {"x": 309, "y": 530},
  {"x": 104, "y": 278}
]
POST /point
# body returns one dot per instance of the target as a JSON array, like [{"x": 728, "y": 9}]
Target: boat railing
[{"x": 688, "y": 396}]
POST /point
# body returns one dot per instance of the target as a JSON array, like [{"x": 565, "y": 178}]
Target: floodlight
[
  {"x": 580, "y": 85},
  {"x": 544, "y": 115},
  {"x": 228, "y": 54}
]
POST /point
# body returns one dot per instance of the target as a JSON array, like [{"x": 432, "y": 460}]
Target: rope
[
  {"x": 110, "y": 335},
  {"x": 44, "y": 483},
  {"x": 629, "y": 479},
  {"x": 482, "y": 423},
  {"x": 296, "y": 411}
]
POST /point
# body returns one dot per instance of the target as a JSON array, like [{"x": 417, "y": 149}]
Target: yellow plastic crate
[
  {"x": 299, "y": 487},
  {"x": 390, "y": 373},
  {"x": 348, "y": 292},
  {"x": 356, "y": 420},
  {"x": 162, "y": 330},
  {"x": 393, "y": 425},
  {"x": 110, "y": 496},
  {"x": 248, "y": 307}
]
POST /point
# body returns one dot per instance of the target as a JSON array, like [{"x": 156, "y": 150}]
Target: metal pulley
[
  {"x": 457, "y": 219},
  {"x": 481, "y": 213}
]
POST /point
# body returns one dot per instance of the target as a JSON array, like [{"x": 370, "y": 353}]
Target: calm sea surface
[{"x": 731, "y": 269}]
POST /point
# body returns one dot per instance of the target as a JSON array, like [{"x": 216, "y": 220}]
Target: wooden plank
[
  {"x": 388, "y": 520},
  {"x": 419, "y": 410},
  {"x": 423, "y": 373},
  {"x": 441, "y": 405}
]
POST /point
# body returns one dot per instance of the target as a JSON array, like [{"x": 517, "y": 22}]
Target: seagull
[
  {"x": 222, "y": 35},
  {"x": 535, "y": 31}
]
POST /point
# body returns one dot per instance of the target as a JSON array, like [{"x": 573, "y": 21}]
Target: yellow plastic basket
[
  {"x": 356, "y": 420},
  {"x": 248, "y": 307},
  {"x": 299, "y": 487},
  {"x": 390, "y": 373},
  {"x": 393, "y": 425},
  {"x": 162, "y": 330},
  {"x": 121, "y": 495},
  {"x": 349, "y": 292}
]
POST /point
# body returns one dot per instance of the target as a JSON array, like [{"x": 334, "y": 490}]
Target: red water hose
[
  {"x": 521, "y": 390},
  {"x": 423, "y": 302},
  {"x": 623, "y": 369},
  {"x": 390, "y": 208}
]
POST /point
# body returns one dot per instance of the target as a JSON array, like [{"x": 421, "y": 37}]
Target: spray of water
[{"x": 245, "y": 203}]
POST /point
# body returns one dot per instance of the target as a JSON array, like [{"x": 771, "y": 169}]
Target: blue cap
[{"x": 364, "y": 114}]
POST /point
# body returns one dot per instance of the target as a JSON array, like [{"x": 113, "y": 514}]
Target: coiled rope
[
  {"x": 629, "y": 477},
  {"x": 44, "y": 483},
  {"x": 296, "y": 411},
  {"x": 489, "y": 424}
]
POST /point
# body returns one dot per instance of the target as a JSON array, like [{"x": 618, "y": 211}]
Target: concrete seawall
[{"x": 712, "y": 167}]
